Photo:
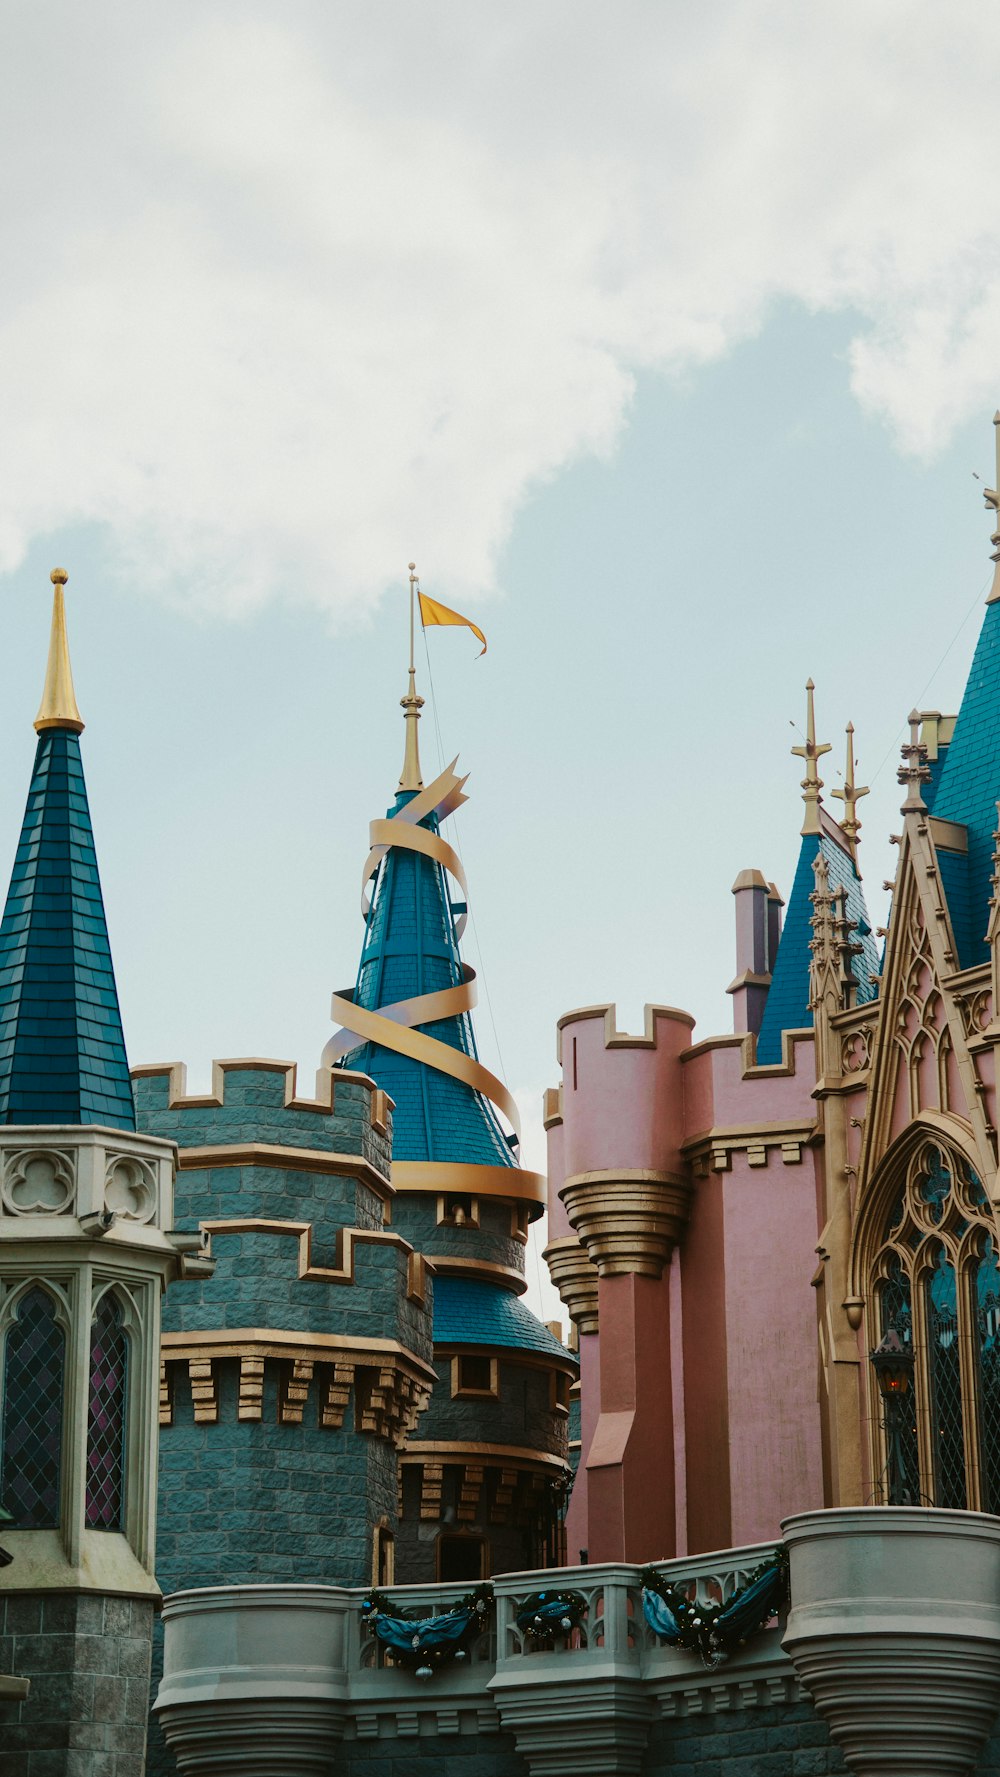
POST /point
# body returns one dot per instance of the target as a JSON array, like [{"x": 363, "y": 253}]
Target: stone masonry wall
[
  {"x": 786, "y": 1741},
  {"x": 87, "y": 1657}
]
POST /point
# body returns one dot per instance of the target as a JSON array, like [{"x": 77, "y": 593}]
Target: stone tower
[
  {"x": 484, "y": 1473},
  {"x": 86, "y": 1250}
]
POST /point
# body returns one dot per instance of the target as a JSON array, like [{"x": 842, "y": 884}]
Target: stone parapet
[{"x": 628, "y": 1219}]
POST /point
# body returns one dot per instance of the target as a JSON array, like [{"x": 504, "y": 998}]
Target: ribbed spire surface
[{"x": 62, "y": 1051}]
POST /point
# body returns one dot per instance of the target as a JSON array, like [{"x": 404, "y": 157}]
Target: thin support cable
[
  {"x": 483, "y": 976},
  {"x": 922, "y": 694}
]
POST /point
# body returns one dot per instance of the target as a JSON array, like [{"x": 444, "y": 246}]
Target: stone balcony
[
  {"x": 252, "y": 1671},
  {"x": 894, "y": 1630}
]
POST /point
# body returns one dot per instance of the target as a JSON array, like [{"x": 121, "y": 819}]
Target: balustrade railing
[{"x": 612, "y": 1622}]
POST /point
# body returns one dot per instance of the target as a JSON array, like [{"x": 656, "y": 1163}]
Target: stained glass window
[
  {"x": 946, "y": 1383},
  {"x": 34, "y": 1370},
  {"x": 106, "y": 1421},
  {"x": 896, "y": 1315},
  {"x": 986, "y": 1304}
]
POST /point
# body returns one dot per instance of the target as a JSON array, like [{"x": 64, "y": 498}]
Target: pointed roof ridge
[{"x": 62, "y": 1049}]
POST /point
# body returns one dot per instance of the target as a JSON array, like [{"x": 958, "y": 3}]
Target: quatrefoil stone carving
[{"x": 38, "y": 1182}]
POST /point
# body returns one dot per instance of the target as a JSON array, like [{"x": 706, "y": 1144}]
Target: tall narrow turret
[
  {"x": 461, "y": 1198},
  {"x": 62, "y": 1052},
  {"x": 85, "y": 1253}
]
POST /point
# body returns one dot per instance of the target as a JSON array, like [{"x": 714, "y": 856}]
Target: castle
[{"x": 778, "y": 1248}]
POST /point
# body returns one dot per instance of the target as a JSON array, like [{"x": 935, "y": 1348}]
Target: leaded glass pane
[
  {"x": 34, "y": 1368},
  {"x": 106, "y": 1423},
  {"x": 946, "y": 1383},
  {"x": 986, "y": 1303},
  {"x": 935, "y": 1184},
  {"x": 896, "y": 1311}
]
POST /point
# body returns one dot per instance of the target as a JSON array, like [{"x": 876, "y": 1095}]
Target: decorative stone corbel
[
  {"x": 575, "y": 1278},
  {"x": 629, "y": 1220}
]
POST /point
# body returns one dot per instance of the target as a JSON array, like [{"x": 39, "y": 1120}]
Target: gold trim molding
[
  {"x": 435, "y": 1176},
  {"x": 324, "y": 1103},
  {"x": 347, "y": 1240},
  {"x": 260, "y": 1153}
]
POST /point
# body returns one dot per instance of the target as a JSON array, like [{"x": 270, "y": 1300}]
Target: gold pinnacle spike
[
  {"x": 992, "y": 498},
  {"x": 812, "y": 783},
  {"x": 58, "y": 707},
  {"x": 850, "y": 796},
  {"x": 411, "y": 705}
]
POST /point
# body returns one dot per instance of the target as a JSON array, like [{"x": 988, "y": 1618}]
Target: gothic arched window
[
  {"x": 937, "y": 1286},
  {"x": 34, "y": 1370},
  {"x": 106, "y": 1419}
]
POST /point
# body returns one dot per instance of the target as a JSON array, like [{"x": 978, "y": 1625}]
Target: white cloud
[{"x": 287, "y": 299}]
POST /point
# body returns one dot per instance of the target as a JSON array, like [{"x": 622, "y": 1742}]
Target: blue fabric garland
[
  {"x": 714, "y": 1630},
  {"x": 425, "y": 1643}
]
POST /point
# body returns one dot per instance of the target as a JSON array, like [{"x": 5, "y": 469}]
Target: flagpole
[
  {"x": 412, "y": 706},
  {"x": 413, "y": 582}
]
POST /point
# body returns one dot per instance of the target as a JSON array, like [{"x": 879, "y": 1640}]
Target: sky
[{"x": 666, "y": 340}]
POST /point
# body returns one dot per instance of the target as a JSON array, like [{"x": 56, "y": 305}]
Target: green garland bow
[{"x": 544, "y": 1615}]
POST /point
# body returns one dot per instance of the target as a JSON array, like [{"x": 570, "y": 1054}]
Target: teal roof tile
[
  {"x": 469, "y": 1313},
  {"x": 967, "y": 792},
  {"x": 787, "y": 1005},
  {"x": 62, "y": 1051}
]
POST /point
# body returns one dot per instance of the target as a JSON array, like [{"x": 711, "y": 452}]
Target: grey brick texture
[{"x": 88, "y": 1659}]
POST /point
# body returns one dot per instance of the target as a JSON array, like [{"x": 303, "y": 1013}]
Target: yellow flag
[{"x": 431, "y": 612}]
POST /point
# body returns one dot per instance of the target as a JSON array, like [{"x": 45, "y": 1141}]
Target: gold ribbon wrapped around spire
[
  {"x": 812, "y": 783},
  {"x": 58, "y": 707},
  {"x": 392, "y": 1027}
]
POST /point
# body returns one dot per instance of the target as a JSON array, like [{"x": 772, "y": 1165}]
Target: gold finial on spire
[
  {"x": 812, "y": 783},
  {"x": 850, "y": 796},
  {"x": 58, "y": 708},
  {"x": 412, "y": 706},
  {"x": 992, "y": 498}
]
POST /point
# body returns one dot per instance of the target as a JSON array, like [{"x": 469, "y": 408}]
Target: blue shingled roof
[
  {"x": 787, "y": 1005},
  {"x": 967, "y": 793},
  {"x": 467, "y": 1313},
  {"x": 410, "y": 948},
  {"x": 62, "y": 1051}
]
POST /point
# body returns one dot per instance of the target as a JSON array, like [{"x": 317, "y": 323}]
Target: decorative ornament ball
[
  {"x": 365, "y": 1608},
  {"x": 567, "y": 1622},
  {"x": 424, "y": 1673},
  {"x": 541, "y": 1597},
  {"x": 415, "y": 1642},
  {"x": 460, "y": 1653},
  {"x": 538, "y": 1622},
  {"x": 696, "y": 1622}
]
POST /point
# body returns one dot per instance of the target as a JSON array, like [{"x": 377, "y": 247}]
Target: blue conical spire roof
[
  {"x": 411, "y": 949},
  {"x": 967, "y": 793},
  {"x": 62, "y": 1051},
  {"x": 787, "y": 1006}
]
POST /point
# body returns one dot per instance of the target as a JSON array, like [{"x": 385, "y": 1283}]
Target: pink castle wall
[{"x": 700, "y": 1418}]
